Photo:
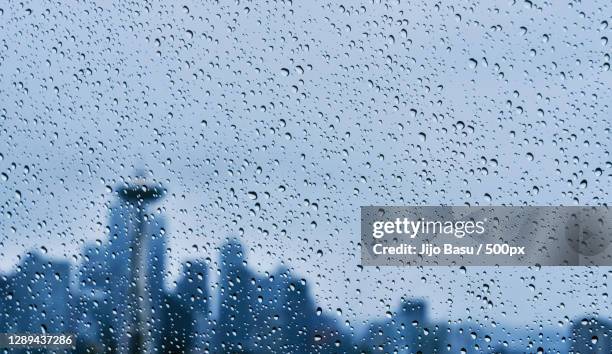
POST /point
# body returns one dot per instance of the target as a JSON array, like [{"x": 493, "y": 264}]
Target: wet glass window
[{"x": 187, "y": 177}]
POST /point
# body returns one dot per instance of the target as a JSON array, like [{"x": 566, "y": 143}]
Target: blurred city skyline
[
  {"x": 244, "y": 311},
  {"x": 266, "y": 262}
]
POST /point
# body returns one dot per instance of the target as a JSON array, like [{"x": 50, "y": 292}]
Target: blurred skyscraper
[
  {"x": 235, "y": 320},
  {"x": 408, "y": 330},
  {"x": 192, "y": 296},
  {"x": 285, "y": 314},
  {"x": 591, "y": 335},
  {"x": 36, "y": 297},
  {"x": 127, "y": 272}
]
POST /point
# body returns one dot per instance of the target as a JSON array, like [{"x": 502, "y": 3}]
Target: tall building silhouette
[
  {"x": 135, "y": 199},
  {"x": 5, "y": 295},
  {"x": 285, "y": 314},
  {"x": 407, "y": 331},
  {"x": 591, "y": 335},
  {"x": 127, "y": 272},
  {"x": 192, "y": 296},
  {"x": 235, "y": 320},
  {"x": 37, "y": 297}
]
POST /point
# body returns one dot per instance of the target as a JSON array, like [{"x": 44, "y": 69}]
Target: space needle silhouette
[{"x": 138, "y": 195}]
